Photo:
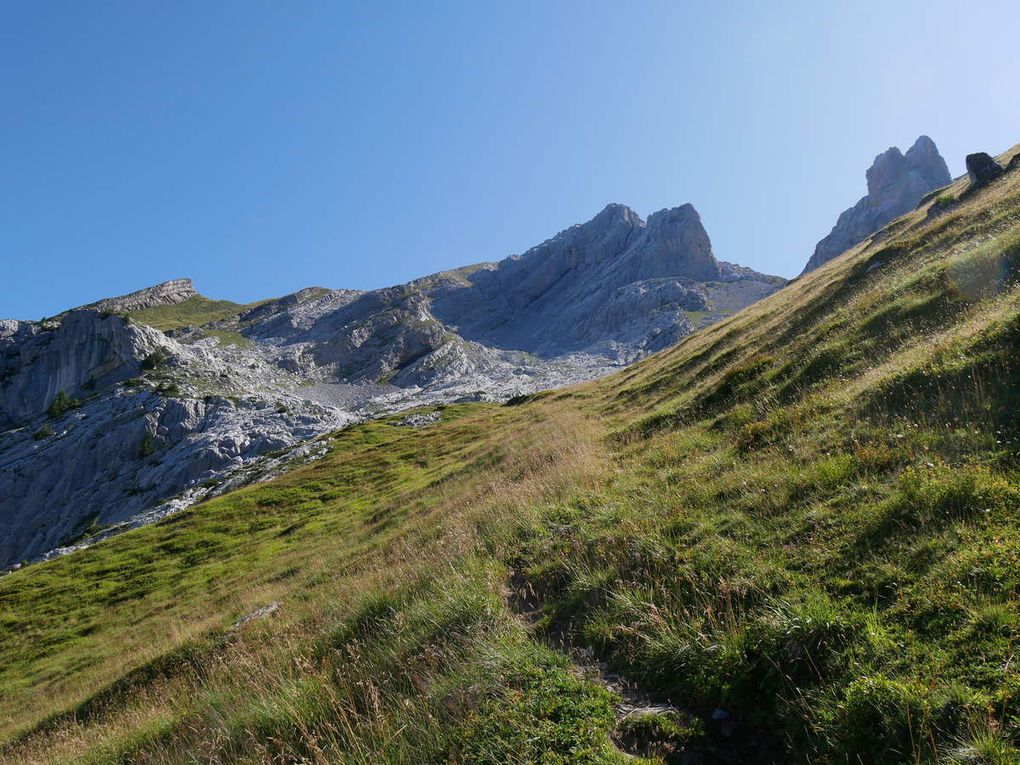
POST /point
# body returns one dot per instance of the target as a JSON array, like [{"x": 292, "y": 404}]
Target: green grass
[
  {"x": 699, "y": 318},
  {"x": 804, "y": 515},
  {"x": 62, "y": 403},
  {"x": 193, "y": 312},
  {"x": 229, "y": 338}
]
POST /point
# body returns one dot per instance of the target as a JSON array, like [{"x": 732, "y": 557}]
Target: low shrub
[
  {"x": 932, "y": 497},
  {"x": 879, "y": 719},
  {"x": 168, "y": 389},
  {"x": 154, "y": 360},
  {"x": 62, "y": 403},
  {"x": 882, "y": 719},
  {"x": 545, "y": 713}
]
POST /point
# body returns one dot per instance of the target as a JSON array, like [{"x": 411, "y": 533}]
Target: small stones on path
[
  {"x": 632, "y": 701},
  {"x": 258, "y": 613}
]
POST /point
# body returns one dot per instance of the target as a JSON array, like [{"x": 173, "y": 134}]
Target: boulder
[{"x": 982, "y": 169}]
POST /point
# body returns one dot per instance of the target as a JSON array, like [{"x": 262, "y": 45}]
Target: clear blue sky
[{"x": 260, "y": 147}]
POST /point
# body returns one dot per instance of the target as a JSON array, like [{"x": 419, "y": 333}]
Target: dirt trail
[{"x": 728, "y": 742}]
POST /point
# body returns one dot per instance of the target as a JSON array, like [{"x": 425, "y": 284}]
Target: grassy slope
[
  {"x": 805, "y": 514},
  {"x": 193, "y": 312}
]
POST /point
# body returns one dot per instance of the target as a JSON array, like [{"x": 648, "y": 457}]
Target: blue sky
[{"x": 261, "y": 147}]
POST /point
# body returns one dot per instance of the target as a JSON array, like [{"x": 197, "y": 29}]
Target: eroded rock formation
[
  {"x": 168, "y": 293},
  {"x": 896, "y": 183}
]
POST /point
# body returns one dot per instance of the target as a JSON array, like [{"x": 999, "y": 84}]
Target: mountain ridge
[{"x": 174, "y": 397}]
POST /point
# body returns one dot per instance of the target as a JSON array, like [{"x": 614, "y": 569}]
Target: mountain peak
[
  {"x": 925, "y": 159},
  {"x": 671, "y": 243},
  {"x": 676, "y": 244},
  {"x": 680, "y": 215},
  {"x": 923, "y": 145},
  {"x": 884, "y": 171},
  {"x": 169, "y": 292},
  {"x": 896, "y": 183},
  {"x": 614, "y": 216},
  {"x": 615, "y": 209}
]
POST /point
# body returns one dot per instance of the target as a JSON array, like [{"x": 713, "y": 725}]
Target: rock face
[
  {"x": 896, "y": 183},
  {"x": 160, "y": 420},
  {"x": 609, "y": 291},
  {"x": 155, "y": 418},
  {"x": 168, "y": 293},
  {"x": 611, "y": 286},
  {"x": 981, "y": 168},
  {"x": 85, "y": 349}
]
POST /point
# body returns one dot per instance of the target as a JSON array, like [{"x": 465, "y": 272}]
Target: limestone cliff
[{"x": 168, "y": 293}]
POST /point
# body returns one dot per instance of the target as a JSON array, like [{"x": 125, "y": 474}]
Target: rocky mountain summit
[
  {"x": 896, "y": 183},
  {"x": 626, "y": 286},
  {"x": 125, "y": 410},
  {"x": 168, "y": 293}
]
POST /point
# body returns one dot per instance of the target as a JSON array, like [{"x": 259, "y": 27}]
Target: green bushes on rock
[
  {"x": 154, "y": 360},
  {"x": 62, "y": 403}
]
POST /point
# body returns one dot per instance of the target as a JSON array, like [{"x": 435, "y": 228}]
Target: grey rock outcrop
[
  {"x": 168, "y": 293},
  {"x": 86, "y": 348},
  {"x": 165, "y": 419},
  {"x": 142, "y": 432},
  {"x": 613, "y": 286},
  {"x": 896, "y": 183},
  {"x": 612, "y": 289},
  {"x": 982, "y": 169}
]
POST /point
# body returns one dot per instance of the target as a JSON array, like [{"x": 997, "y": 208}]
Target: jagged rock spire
[{"x": 896, "y": 183}]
